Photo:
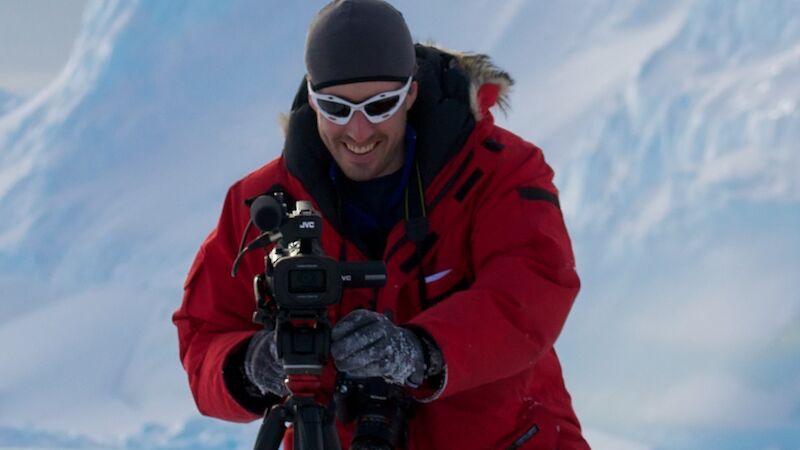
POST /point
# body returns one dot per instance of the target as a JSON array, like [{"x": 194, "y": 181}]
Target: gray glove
[
  {"x": 367, "y": 344},
  {"x": 261, "y": 364}
]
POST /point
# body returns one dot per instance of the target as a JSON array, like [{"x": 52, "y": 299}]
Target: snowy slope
[
  {"x": 673, "y": 128},
  {"x": 8, "y": 101},
  {"x": 683, "y": 191},
  {"x": 709, "y": 118},
  {"x": 103, "y": 209}
]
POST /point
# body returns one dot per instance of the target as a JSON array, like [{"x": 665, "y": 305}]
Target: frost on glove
[
  {"x": 367, "y": 344},
  {"x": 261, "y": 364}
]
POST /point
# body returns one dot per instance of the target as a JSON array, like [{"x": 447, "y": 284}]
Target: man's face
[{"x": 361, "y": 149}]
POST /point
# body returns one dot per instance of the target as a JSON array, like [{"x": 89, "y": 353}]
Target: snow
[{"x": 8, "y": 101}]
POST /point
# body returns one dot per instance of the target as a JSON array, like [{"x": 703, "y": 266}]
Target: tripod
[{"x": 314, "y": 426}]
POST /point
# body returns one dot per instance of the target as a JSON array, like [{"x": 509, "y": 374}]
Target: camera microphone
[{"x": 266, "y": 213}]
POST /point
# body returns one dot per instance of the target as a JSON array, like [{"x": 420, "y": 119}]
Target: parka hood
[
  {"x": 455, "y": 91},
  {"x": 488, "y": 84}
]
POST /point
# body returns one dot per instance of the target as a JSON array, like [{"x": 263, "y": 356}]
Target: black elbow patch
[{"x": 534, "y": 193}]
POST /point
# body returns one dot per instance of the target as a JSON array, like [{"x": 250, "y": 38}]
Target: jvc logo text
[{"x": 307, "y": 224}]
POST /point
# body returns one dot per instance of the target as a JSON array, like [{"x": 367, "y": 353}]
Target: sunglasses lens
[
  {"x": 333, "y": 108},
  {"x": 380, "y": 107}
]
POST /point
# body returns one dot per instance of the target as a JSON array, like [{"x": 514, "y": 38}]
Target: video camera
[
  {"x": 292, "y": 295},
  {"x": 302, "y": 282}
]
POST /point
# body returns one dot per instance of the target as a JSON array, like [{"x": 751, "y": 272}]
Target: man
[{"x": 396, "y": 147}]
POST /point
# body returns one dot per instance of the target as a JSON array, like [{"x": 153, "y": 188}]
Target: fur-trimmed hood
[{"x": 488, "y": 84}]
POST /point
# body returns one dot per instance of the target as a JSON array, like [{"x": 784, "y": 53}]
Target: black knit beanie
[{"x": 358, "y": 40}]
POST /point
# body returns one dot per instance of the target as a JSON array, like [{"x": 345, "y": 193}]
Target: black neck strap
[{"x": 416, "y": 221}]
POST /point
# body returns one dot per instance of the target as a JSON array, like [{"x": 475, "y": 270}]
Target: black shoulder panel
[
  {"x": 534, "y": 193},
  {"x": 462, "y": 192},
  {"x": 492, "y": 145}
]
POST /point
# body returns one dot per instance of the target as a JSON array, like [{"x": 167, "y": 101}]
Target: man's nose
[{"x": 359, "y": 129}]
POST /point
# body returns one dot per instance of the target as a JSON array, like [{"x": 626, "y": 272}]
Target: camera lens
[
  {"x": 307, "y": 281},
  {"x": 370, "y": 444},
  {"x": 380, "y": 410}
]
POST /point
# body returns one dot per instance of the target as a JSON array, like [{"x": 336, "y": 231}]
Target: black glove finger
[
  {"x": 282, "y": 391},
  {"x": 373, "y": 369},
  {"x": 354, "y": 321},
  {"x": 271, "y": 378},
  {"x": 278, "y": 389},
  {"x": 363, "y": 357},
  {"x": 358, "y": 341},
  {"x": 273, "y": 348},
  {"x": 390, "y": 370},
  {"x": 262, "y": 367},
  {"x": 274, "y": 369},
  {"x": 259, "y": 343}
]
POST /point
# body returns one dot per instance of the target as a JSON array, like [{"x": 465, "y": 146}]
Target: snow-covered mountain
[
  {"x": 8, "y": 101},
  {"x": 672, "y": 126},
  {"x": 709, "y": 118}
]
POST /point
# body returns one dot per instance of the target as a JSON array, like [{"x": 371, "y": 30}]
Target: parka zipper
[{"x": 529, "y": 433}]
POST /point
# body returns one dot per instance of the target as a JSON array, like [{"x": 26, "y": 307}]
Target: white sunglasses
[{"x": 376, "y": 109}]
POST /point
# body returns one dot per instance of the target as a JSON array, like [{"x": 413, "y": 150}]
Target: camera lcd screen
[{"x": 307, "y": 281}]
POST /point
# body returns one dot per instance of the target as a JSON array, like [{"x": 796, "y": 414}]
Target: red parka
[{"x": 497, "y": 265}]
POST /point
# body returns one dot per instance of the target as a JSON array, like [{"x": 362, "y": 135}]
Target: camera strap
[{"x": 416, "y": 222}]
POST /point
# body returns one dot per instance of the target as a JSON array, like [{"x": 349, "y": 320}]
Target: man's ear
[{"x": 411, "y": 97}]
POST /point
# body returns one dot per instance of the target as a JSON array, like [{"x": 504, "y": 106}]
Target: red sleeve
[
  {"x": 215, "y": 316},
  {"x": 525, "y": 279}
]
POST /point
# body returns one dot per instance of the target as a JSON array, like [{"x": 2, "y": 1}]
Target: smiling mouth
[{"x": 361, "y": 150}]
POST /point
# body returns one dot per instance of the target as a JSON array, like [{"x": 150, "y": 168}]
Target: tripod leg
[
  {"x": 308, "y": 420},
  {"x": 331, "y": 438},
  {"x": 272, "y": 429}
]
